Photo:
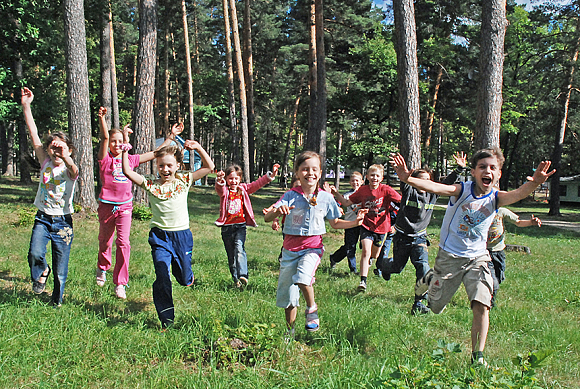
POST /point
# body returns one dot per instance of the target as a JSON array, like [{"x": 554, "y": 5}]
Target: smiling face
[
  {"x": 167, "y": 166},
  {"x": 375, "y": 177},
  {"x": 115, "y": 140},
  {"x": 233, "y": 181},
  {"x": 486, "y": 173},
  {"x": 308, "y": 173},
  {"x": 356, "y": 182}
]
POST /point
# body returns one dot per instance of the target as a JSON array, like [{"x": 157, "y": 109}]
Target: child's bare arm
[
  {"x": 340, "y": 198},
  {"x": 61, "y": 150},
  {"x": 275, "y": 212},
  {"x": 176, "y": 129},
  {"x": 104, "y": 145},
  {"x": 343, "y": 224},
  {"x": 26, "y": 100},
  {"x": 540, "y": 176},
  {"x": 129, "y": 173},
  {"x": 533, "y": 221},
  {"x": 207, "y": 164},
  {"x": 400, "y": 166}
]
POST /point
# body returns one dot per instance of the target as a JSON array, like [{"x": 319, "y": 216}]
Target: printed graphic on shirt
[
  {"x": 235, "y": 206},
  {"x": 52, "y": 191},
  {"x": 375, "y": 206},
  {"x": 496, "y": 229},
  {"x": 118, "y": 175},
  {"x": 472, "y": 215}
]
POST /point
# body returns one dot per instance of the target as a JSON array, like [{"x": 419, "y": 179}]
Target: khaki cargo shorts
[{"x": 451, "y": 270}]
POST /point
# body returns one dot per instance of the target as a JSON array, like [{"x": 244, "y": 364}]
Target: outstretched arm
[
  {"x": 275, "y": 212},
  {"x": 533, "y": 221},
  {"x": 207, "y": 164},
  {"x": 104, "y": 134},
  {"x": 540, "y": 176},
  {"x": 129, "y": 173},
  {"x": 343, "y": 224},
  {"x": 340, "y": 198},
  {"x": 176, "y": 129},
  {"x": 398, "y": 163},
  {"x": 26, "y": 100}
]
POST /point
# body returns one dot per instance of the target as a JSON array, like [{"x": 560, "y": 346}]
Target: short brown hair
[
  {"x": 234, "y": 169},
  {"x": 486, "y": 153},
  {"x": 63, "y": 137},
  {"x": 305, "y": 155},
  {"x": 174, "y": 150},
  {"x": 423, "y": 170},
  {"x": 356, "y": 174}
]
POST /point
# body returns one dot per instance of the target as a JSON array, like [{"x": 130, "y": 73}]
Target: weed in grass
[
  {"x": 25, "y": 216},
  {"x": 142, "y": 212}
]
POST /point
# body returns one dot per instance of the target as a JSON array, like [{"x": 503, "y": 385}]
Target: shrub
[{"x": 141, "y": 212}]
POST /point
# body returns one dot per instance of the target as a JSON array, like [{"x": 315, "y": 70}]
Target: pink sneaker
[{"x": 120, "y": 292}]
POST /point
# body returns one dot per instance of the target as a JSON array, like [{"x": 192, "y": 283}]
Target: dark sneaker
[
  {"x": 422, "y": 285},
  {"x": 377, "y": 272},
  {"x": 39, "y": 286},
  {"x": 332, "y": 264},
  {"x": 477, "y": 359},
  {"x": 419, "y": 308}
]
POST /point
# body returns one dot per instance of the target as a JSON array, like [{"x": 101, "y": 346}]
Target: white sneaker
[
  {"x": 101, "y": 276},
  {"x": 422, "y": 285},
  {"x": 362, "y": 287},
  {"x": 120, "y": 292}
]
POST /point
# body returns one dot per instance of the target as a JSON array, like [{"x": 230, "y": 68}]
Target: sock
[{"x": 363, "y": 278}]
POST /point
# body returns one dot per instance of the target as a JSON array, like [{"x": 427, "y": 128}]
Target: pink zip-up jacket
[{"x": 246, "y": 189}]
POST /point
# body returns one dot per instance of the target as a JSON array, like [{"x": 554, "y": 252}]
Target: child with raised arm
[
  {"x": 170, "y": 238},
  {"x": 462, "y": 256},
  {"x": 116, "y": 202},
  {"x": 305, "y": 208},
  {"x": 235, "y": 214},
  {"x": 376, "y": 198},
  {"x": 410, "y": 240},
  {"x": 348, "y": 249},
  {"x": 54, "y": 200},
  {"x": 496, "y": 244}
]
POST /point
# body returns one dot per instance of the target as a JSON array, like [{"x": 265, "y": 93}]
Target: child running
[
  {"x": 305, "y": 208},
  {"x": 348, "y": 249},
  {"x": 410, "y": 240},
  {"x": 235, "y": 214},
  {"x": 116, "y": 202},
  {"x": 377, "y": 198},
  {"x": 170, "y": 238},
  {"x": 54, "y": 200},
  {"x": 462, "y": 256},
  {"x": 496, "y": 244}
]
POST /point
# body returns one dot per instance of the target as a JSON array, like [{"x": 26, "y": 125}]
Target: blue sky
[{"x": 527, "y": 3}]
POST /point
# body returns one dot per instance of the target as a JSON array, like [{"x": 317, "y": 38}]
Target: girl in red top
[{"x": 235, "y": 213}]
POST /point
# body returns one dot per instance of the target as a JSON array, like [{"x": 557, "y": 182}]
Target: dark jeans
[
  {"x": 58, "y": 230},
  {"x": 348, "y": 249},
  {"x": 497, "y": 269},
  {"x": 405, "y": 247},
  {"x": 384, "y": 253},
  {"x": 234, "y": 237},
  {"x": 169, "y": 249}
]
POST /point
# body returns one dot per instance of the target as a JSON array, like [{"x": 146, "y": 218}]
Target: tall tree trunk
[
  {"x": 312, "y": 141},
  {"x": 249, "y": 77},
  {"x": 114, "y": 95},
  {"x": 22, "y": 133},
  {"x": 408, "y": 77},
  {"x": 188, "y": 69},
  {"x": 284, "y": 168},
  {"x": 7, "y": 141},
  {"x": 166, "y": 85},
  {"x": 231, "y": 93},
  {"x": 559, "y": 139},
  {"x": 177, "y": 93},
  {"x": 79, "y": 115},
  {"x": 428, "y": 133},
  {"x": 106, "y": 93},
  {"x": 337, "y": 164},
  {"x": 144, "y": 125},
  {"x": 242, "y": 86},
  {"x": 493, "y": 28}
]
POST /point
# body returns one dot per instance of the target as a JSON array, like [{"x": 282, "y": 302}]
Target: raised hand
[
  {"x": 27, "y": 96},
  {"x": 275, "y": 169},
  {"x": 398, "y": 163},
  {"x": 191, "y": 145},
  {"x": 460, "y": 159},
  {"x": 541, "y": 174},
  {"x": 176, "y": 129},
  {"x": 102, "y": 112},
  {"x": 60, "y": 148}
]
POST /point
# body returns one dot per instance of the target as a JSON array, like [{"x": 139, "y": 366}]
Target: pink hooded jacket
[{"x": 246, "y": 189}]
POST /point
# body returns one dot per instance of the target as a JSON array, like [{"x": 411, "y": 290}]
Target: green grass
[{"x": 97, "y": 341}]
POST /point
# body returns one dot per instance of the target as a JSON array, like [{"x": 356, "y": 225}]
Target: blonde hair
[
  {"x": 379, "y": 168},
  {"x": 356, "y": 174}
]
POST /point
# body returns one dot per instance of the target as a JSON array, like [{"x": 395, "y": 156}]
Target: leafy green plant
[
  {"x": 141, "y": 212},
  {"x": 25, "y": 216},
  {"x": 527, "y": 365}
]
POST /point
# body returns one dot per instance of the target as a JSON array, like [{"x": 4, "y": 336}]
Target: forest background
[{"x": 265, "y": 117}]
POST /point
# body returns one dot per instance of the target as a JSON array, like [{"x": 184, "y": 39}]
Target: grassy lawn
[{"x": 225, "y": 338}]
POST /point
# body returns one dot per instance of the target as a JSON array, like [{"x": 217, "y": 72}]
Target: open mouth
[{"x": 486, "y": 181}]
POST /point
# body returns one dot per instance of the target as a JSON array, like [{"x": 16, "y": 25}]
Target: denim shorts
[
  {"x": 296, "y": 267},
  {"x": 378, "y": 239}
]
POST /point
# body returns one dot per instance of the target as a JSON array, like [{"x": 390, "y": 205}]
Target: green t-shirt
[{"x": 169, "y": 201}]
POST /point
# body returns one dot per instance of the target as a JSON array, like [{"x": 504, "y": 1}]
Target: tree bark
[
  {"x": 249, "y": 77},
  {"x": 493, "y": 28},
  {"x": 78, "y": 101},
  {"x": 242, "y": 86},
  {"x": 114, "y": 94},
  {"x": 166, "y": 86},
  {"x": 408, "y": 80},
  {"x": 284, "y": 168},
  {"x": 231, "y": 92},
  {"x": 144, "y": 125},
  {"x": 188, "y": 69},
  {"x": 559, "y": 139},
  {"x": 7, "y": 141},
  {"x": 106, "y": 92},
  {"x": 428, "y": 133}
]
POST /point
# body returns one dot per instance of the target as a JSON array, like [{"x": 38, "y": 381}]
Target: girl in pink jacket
[{"x": 235, "y": 213}]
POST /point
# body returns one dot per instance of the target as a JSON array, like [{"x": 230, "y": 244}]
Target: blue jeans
[
  {"x": 405, "y": 247},
  {"x": 348, "y": 249},
  {"x": 497, "y": 270},
  {"x": 384, "y": 253},
  {"x": 169, "y": 249},
  {"x": 59, "y": 231},
  {"x": 234, "y": 237}
]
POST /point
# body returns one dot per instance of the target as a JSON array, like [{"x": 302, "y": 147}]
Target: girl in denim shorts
[{"x": 305, "y": 208}]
